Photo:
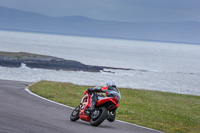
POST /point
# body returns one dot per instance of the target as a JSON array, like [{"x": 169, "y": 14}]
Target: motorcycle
[{"x": 100, "y": 113}]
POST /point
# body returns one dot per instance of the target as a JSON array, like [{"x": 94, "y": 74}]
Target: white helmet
[{"x": 111, "y": 83}]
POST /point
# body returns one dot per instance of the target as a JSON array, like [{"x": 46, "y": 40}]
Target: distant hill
[{"x": 12, "y": 19}]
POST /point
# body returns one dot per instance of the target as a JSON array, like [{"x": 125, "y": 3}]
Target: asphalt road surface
[{"x": 21, "y": 112}]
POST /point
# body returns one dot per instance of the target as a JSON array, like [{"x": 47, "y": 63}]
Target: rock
[
  {"x": 45, "y": 62},
  {"x": 11, "y": 59}
]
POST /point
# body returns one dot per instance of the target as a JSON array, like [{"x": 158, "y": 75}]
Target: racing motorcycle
[{"x": 105, "y": 108}]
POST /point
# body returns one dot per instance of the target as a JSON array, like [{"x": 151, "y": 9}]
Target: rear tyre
[
  {"x": 75, "y": 114},
  {"x": 98, "y": 116}
]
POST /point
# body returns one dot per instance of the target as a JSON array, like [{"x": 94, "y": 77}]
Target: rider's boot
[
  {"x": 94, "y": 102},
  {"x": 91, "y": 109}
]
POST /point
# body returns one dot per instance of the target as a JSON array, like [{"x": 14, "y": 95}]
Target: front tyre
[
  {"x": 75, "y": 114},
  {"x": 98, "y": 116}
]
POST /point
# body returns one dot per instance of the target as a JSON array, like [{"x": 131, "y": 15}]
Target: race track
[{"x": 21, "y": 112}]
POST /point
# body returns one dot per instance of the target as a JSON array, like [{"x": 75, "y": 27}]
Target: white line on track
[
  {"x": 26, "y": 89},
  {"x": 46, "y": 98}
]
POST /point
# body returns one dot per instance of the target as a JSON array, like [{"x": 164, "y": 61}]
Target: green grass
[
  {"x": 15, "y": 54},
  {"x": 168, "y": 112},
  {"x": 23, "y": 55}
]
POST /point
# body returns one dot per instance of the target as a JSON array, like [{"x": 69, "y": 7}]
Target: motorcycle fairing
[
  {"x": 108, "y": 100},
  {"x": 86, "y": 103}
]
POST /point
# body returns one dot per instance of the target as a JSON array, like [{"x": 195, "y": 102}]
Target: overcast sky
[{"x": 120, "y": 10}]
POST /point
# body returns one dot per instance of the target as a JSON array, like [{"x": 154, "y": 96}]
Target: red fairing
[
  {"x": 102, "y": 101},
  {"x": 86, "y": 92},
  {"x": 105, "y": 88},
  {"x": 85, "y": 117},
  {"x": 117, "y": 105},
  {"x": 87, "y": 105}
]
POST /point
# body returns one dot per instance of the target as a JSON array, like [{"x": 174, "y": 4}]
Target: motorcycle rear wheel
[
  {"x": 102, "y": 115},
  {"x": 75, "y": 114}
]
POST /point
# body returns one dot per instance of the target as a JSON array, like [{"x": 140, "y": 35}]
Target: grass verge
[{"x": 168, "y": 112}]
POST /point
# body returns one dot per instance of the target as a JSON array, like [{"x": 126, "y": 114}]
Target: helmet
[{"x": 111, "y": 83}]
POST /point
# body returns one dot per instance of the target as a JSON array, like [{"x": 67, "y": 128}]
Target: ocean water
[{"x": 169, "y": 67}]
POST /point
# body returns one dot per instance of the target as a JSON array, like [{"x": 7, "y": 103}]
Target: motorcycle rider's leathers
[{"x": 111, "y": 91}]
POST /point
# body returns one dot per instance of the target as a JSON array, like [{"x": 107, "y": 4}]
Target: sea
[{"x": 161, "y": 66}]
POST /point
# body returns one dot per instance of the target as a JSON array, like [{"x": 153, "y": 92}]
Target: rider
[{"x": 110, "y": 90}]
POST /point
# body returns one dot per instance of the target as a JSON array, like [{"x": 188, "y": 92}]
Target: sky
[{"x": 115, "y": 10}]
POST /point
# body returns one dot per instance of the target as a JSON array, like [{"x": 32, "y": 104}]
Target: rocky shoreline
[{"x": 11, "y": 59}]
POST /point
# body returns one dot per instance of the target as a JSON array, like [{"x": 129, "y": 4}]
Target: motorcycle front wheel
[
  {"x": 98, "y": 116},
  {"x": 75, "y": 114}
]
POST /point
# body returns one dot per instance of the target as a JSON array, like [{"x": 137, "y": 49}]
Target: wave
[{"x": 23, "y": 65}]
